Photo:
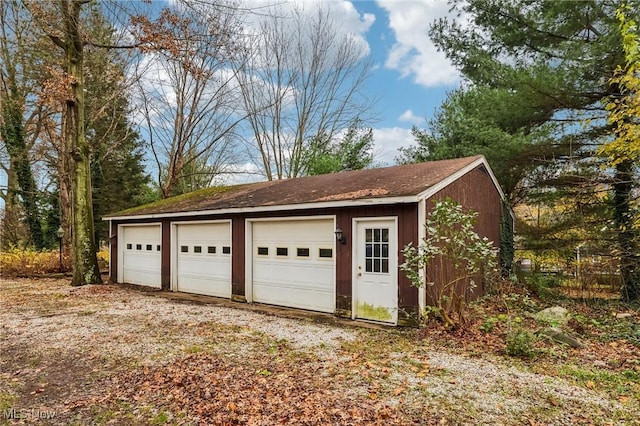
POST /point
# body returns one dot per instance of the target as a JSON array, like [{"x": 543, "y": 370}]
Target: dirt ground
[{"x": 113, "y": 355}]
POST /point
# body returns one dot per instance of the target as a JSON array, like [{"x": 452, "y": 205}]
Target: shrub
[
  {"x": 450, "y": 240},
  {"x": 17, "y": 262},
  {"x": 543, "y": 286},
  {"x": 520, "y": 343},
  {"x": 103, "y": 257}
]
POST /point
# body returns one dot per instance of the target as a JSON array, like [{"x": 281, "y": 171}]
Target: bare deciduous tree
[
  {"x": 187, "y": 97},
  {"x": 302, "y": 82}
]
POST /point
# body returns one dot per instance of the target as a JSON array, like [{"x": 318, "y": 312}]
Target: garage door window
[
  {"x": 226, "y": 250},
  {"x": 138, "y": 246},
  {"x": 129, "y": 246},
  {"x": 282, "y": 251},
  {"x": 211, "y": 249},
  {"x": 184, "y": 249},
  {"x": 325, "y": 253},
  {"x": 197, "y": 249},
  {"x": 302, "y": 252}
]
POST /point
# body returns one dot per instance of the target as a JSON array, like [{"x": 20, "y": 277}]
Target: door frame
[
  {"x": 393, "y": 259},
  {"x": 174, "y": 247}
]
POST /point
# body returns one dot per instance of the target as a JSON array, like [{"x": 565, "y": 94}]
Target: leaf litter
[{"x": 115, "y": 355}]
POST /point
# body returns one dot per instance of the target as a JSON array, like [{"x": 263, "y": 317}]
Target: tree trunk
[
  {"x": 12, "y": 131},
  {"x": 627, "y": 235},
  {"x": 83, "y": 246}
]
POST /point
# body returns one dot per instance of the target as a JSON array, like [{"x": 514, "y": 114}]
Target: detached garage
[{"x": 329, "y": 243}]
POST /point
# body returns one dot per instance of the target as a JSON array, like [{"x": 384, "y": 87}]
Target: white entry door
[{"x": 375, "y": 270}]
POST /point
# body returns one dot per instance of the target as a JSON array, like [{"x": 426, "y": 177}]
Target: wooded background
[{"x": 105, "y": 105}]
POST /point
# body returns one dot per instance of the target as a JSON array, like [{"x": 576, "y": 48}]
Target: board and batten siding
[{"x": 474, "y": 191}]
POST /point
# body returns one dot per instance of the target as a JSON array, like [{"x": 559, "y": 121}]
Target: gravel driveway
[{"x": 66, "y": 353}]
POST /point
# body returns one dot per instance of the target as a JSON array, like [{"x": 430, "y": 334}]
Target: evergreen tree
[
  {"x": 538, "y": 74},
  {"x": 118, "y": 174},
  {"x": 353, "y": 151}
]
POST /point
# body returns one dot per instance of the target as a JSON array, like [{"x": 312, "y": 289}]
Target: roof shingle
[{"x": 387, "y": 182}]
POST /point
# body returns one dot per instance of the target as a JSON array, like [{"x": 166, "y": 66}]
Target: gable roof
[{"x": 406, "y": 183}]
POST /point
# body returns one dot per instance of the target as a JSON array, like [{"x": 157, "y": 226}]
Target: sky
[{"x": 411, "y": 78}]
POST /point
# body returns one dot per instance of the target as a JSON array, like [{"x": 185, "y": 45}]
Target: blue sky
[{"x": 410, "y": 77}]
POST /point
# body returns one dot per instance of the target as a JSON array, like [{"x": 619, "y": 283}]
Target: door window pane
[
  {"x": 377, "y": 250},
  {"x": 184, "y": 249},
  {"x": 197, "y": 249},
  {"x": 302, "y": 252},
  {"x": 226, "y": 250},
  {"x": 211, "y": 249}
]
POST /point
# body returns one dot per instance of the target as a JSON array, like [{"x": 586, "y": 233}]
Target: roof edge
[
  {"x": 480, "y": 161},
  {"x": 285, "y": 207}
]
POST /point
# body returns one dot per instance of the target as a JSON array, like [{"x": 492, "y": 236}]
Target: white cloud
[
  {"x": 236, "y": 174},
  {"x": 343, "y": 12},
  {"x": 386, "y": 143},
  {"x": 409, "y": 117},
  {"x": 414, "y": 54}
]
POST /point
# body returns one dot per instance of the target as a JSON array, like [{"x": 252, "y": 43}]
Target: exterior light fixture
[{"x": 340, "y": 236}]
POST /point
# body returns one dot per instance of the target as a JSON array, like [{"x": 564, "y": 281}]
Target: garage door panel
[
  {"x": 301, "y": 278},
  {"x": 203, "y": 267},
  {"x": 141, "y": 258},
  {"x": 310, "y": 299}
]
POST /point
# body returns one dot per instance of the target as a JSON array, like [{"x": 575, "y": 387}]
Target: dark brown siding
[
  {"x": 166, "y": 254},
  {"x": 238, "y": 258},
  {"x": 113, "y": 252},
  {"x": 474, "y": 191}
]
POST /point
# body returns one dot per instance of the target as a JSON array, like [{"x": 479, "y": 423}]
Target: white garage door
[
  {"x": 141, "y": 261},
  {"x": 204, "y": 258},
  {"x": 293, "y": 263}
]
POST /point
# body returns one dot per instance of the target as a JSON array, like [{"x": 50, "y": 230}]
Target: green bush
[
  {"x": 520, "y": 343},
  {"x": 541, "y": 285}
]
